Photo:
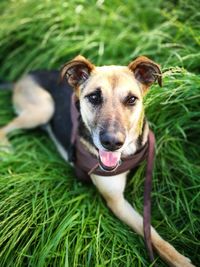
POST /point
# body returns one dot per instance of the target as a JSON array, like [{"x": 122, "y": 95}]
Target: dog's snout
[{"x": 112, "y": 140}]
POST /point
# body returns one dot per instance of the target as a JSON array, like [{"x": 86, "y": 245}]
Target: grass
[{"x": 47, "y": 218}]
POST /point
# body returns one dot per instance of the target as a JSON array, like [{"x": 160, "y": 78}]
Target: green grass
[{"x": 47, "y": 218}]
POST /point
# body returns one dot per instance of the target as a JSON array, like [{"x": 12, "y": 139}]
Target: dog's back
[{"x": 61, "y": 93}]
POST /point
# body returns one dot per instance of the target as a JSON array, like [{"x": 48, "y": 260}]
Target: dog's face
[{"x": 111, "y": 103}]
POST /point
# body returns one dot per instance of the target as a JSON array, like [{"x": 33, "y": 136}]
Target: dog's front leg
[{"x": 112, "y": 189}]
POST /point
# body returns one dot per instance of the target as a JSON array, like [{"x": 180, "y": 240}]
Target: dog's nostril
[
  {"x": 112, "y": 141},
  {"x": 107, "y": 143},
  {"x": 119, "y": 144}
]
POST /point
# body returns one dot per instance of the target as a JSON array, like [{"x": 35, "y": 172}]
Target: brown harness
[{"x": 86, "y": 164}]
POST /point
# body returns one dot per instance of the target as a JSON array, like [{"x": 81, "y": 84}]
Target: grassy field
[{"x": 47, "y": 218}]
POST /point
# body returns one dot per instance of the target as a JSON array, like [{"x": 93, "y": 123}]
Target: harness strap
[
  {"x": 147, "y": 196},
  {"x": 74, "y": 118}
]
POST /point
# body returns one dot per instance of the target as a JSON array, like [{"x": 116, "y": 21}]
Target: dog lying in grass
[{"x": 95, "y": 117}]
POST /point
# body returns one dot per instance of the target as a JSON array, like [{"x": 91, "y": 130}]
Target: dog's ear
[
  {"x": 77, "y": 71},
  {"x": 146, "y": 71}
]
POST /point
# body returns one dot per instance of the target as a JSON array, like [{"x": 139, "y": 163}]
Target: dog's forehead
[{"x": 113, "y": 79}]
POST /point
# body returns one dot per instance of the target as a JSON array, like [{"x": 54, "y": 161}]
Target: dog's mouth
[{"x": 108, "y": 160}]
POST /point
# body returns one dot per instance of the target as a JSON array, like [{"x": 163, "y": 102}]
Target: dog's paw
[
  {"x": 183, "y": 262},
  {"x": 5, "y": 145},
  {"x": 171, "y": 255}
]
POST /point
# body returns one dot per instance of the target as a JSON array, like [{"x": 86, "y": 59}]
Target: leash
[{"x": 147, "y": 196}]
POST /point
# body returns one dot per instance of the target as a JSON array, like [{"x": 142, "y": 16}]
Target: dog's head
[{"x": 111, "y": 103}]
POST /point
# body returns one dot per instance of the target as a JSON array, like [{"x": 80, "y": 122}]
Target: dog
[{"x": 110, "y": 122}]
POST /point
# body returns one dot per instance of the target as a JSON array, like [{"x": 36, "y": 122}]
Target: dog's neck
[{"x": 132, "y": 147}]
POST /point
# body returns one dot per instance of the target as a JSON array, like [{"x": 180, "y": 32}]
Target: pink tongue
[{"x": 109, "y": 159}]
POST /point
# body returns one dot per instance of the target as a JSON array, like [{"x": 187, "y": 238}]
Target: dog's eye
[
  {"x": 130, "y": 100},
  {"x": 95, "y": 98}
]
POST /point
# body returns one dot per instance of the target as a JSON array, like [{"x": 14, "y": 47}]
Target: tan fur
[
  {"x": 89, "y": 147},
  {"x": 115, "y": 82},
  {"x": 34, "y": 107},
  {"x": 112, "y": 189}
]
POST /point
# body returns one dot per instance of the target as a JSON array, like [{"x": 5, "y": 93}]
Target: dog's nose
[{"x": 112, "y": 140}]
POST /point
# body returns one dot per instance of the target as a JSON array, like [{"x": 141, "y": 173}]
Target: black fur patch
[{"x": 61, "y": 93}]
